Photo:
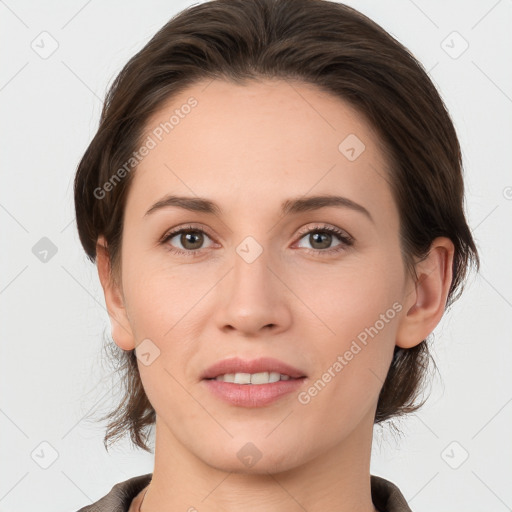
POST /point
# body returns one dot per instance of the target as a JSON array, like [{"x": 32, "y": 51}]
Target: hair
[{"x": 328, "y": 45}]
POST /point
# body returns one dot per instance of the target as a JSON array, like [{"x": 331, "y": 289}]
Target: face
[{"x": 319, "y": 286}]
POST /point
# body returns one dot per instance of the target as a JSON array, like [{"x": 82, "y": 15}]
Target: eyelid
[
  {"x": 302, "y": 231},
  {"x": 326, "y": 227},
  {"x": 185, "y": 227}
]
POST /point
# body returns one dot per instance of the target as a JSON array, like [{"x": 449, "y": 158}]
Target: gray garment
[{"x": 386, "y": 496}]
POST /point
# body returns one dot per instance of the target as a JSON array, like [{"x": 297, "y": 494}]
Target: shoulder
[
  {"x": 120, "y": 496},
  {"x": 387, "y": 497}
]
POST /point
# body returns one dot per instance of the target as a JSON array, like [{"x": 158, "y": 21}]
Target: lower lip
[{"x": 252, "y": 395}]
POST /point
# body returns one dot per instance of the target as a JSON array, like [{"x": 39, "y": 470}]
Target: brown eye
[
  {"x": 190, "y": 239},
  {"x": 321, "y": 240},
  {"x": 194, "y": 238}
]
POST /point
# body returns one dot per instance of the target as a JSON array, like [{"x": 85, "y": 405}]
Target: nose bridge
[
  {"x": 252, "y": 297},
  {"x": 252, "y": 252},
  {"x": 251, "y": 273}
]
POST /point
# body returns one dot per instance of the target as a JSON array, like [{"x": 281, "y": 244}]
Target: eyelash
[{"x": 345, "y": 239}]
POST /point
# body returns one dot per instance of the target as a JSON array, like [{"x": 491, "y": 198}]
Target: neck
[{"x": 337, "y": 478}]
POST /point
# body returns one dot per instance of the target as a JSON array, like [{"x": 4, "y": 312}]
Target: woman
[{"x": 274, "y": 200}]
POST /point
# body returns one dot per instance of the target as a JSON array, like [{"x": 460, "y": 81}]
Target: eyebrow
[{"x": 290, "y": 206}]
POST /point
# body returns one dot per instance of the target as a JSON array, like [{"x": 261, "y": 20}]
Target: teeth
[{"x": 252, "y": 378}]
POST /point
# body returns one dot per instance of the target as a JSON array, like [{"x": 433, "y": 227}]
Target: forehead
[{"x": 245, "y": 144}]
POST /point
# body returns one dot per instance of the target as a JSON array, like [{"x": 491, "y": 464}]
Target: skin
[{"x": 248, "y": 148}]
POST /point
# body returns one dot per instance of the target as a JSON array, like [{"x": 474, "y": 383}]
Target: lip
[
  {"x": 263, "y": 364},
  {"x": 252, "y": 395}
]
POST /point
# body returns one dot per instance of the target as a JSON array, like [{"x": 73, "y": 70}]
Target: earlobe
[
  {"x": 425, "y": 305},
  {"x": 121, "y": 330}
]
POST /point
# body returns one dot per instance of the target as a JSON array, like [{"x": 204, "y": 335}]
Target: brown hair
[{"x": 318, "y": 42}]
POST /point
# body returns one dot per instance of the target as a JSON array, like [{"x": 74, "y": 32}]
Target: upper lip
[{"x": 264, "y": 364}]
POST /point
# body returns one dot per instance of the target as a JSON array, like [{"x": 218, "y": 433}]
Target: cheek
[
  {"x": 162, "y": 312},
  {"x": 354, "y": 298},
  {"x": 156, "y": 297},
  {"x": 354, "y": 363},
  {"x": 148, "y": 308},
  {"x": 164, "y": 306},
  {"x": 361, "y": 310}
]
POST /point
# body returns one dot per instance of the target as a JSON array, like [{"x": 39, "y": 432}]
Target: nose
[{"x": 253, "y": 298}]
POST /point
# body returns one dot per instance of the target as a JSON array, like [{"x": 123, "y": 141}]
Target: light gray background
[{"x": 53, "y": 315}]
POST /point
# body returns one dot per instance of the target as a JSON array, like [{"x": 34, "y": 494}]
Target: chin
[{"x": 258, "y": 457}]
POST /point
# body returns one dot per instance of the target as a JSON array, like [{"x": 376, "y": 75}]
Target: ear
[
  {"x": 425, "y": 304},
  {"x": 120, "y": 325}
]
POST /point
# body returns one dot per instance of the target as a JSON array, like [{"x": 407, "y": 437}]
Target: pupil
[
  {"x": 320, "y": 235},
  {"x": 185, "y": 238}
]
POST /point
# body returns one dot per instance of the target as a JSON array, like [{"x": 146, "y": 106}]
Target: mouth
[
  {"x": 254, "y": 378},
  {"x": 252, "y": 383},
  {"x": 260, "y": 371}
]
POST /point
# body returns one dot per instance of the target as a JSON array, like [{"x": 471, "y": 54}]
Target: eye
[
  {"x": 190, "y": 238},
  {"x": 321, "y": 238}
]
